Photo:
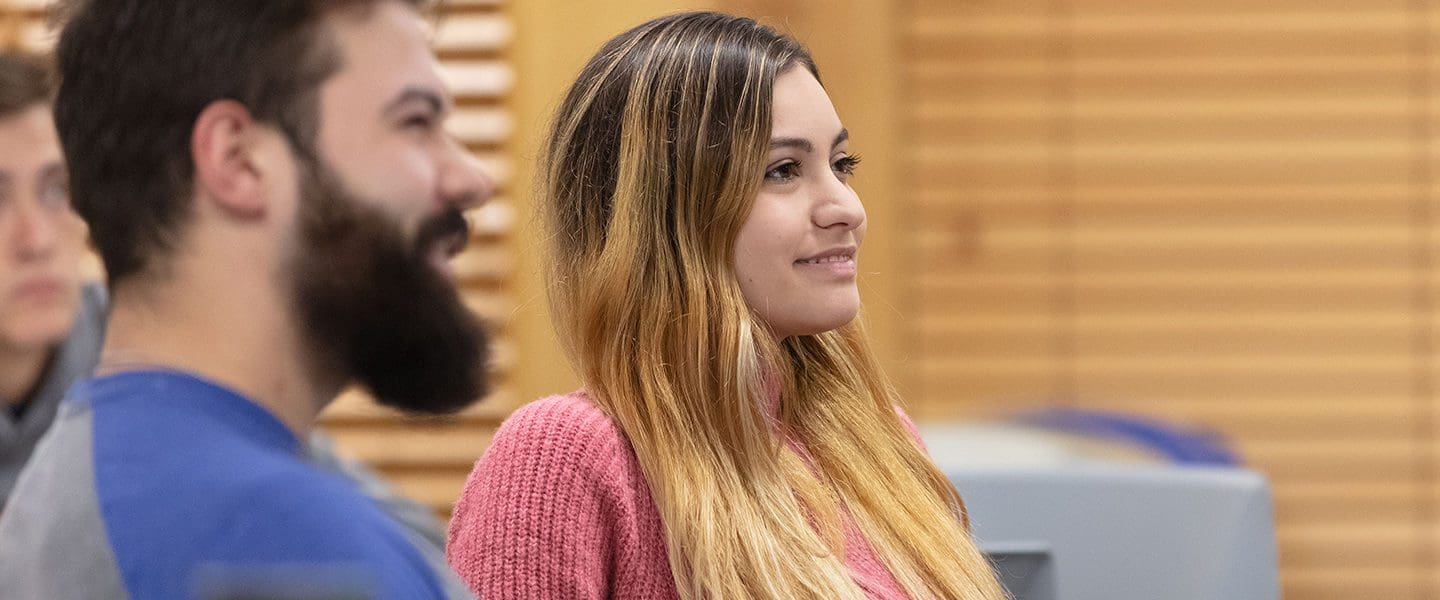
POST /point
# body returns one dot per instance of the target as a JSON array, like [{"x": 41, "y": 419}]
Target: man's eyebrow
[{"x": 430, "y": 97}]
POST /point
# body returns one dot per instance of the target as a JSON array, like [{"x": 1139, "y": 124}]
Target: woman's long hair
[{"x": 653, "y": 162}]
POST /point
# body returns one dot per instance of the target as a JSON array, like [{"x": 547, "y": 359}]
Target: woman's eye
[
  {"x": 845, "y": 165},
  {"x": 783, "y": 172}
]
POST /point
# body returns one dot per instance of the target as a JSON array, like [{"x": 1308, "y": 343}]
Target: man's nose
[{"x": 464, "y": 183}]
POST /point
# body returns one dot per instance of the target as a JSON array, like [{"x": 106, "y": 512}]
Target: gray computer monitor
[{"x": 1088, "y": 531}]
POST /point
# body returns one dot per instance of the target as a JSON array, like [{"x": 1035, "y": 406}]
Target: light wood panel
[{"x": 1220, "y": 213}]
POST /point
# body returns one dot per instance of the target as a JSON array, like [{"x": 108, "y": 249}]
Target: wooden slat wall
[
  {"x": 427, "y": 459},
  {"x": 1215, "y": 211}
]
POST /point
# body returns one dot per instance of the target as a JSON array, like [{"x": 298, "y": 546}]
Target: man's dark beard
[{"x": 373, "y": 305}]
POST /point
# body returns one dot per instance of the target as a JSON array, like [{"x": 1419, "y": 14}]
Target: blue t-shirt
[{"x": 158, "y": 484}]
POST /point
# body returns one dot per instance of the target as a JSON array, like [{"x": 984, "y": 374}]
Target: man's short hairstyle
[
  {"x": 24, "y": 82},
  {"x": 134, "y": 77}
]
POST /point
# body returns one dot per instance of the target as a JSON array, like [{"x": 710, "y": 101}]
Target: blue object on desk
[{"x": 1176, "y": 444}]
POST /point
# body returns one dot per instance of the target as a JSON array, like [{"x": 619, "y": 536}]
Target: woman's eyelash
[
  {"x": 844, "y": 165},
  {"x": 783, "y": 171}
]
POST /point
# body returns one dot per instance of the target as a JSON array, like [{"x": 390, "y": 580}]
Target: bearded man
[{"x": 274, "y": 197}]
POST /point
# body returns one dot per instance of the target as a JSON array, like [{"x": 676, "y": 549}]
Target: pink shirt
[{"x": 558, "y": 508}]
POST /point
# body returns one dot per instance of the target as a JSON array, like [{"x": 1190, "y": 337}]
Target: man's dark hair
[
  {"x": 24, "y": 82},
  {"x": 134, "y": 77}
]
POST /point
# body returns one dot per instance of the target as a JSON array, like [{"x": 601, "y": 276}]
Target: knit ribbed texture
[{"x": 558, "y": 508}]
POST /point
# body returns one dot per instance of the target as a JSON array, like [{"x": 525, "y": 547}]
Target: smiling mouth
[
  {"x": 838, "y": 258},
  {"x": 440, "y": 262},
  {"x": 833, "y": 256},
  {"x": 833, "y": 265},
  {"x": 452, "y": 246},
  {"x": 441, "y": 238},
  {"x": 442, "y": 252}
]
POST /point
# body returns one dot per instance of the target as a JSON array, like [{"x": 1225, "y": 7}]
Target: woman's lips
[{"x": 838, "y": 265}]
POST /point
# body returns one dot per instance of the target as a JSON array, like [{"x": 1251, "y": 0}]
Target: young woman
[{"x": 735, "y": 437}]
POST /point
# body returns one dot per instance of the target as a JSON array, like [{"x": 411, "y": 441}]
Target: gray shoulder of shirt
[
  {"x": 419, "y": 525},
  {"x": 52, "y": 537},
  {"x": 78, "y": 354},
  {"x": 81, "y": 351}
]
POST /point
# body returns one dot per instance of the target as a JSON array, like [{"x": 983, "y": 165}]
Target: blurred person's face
[
  {"x": 380, "y": 216},
  {"x": 41, "y": 239},
  {"x": 796, "y": 253}
]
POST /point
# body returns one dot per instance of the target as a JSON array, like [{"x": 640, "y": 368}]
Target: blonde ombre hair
[{"x": 652, "y": 164}]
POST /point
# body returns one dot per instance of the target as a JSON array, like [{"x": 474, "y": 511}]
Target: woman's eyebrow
[{"x": 804, "y": 145}]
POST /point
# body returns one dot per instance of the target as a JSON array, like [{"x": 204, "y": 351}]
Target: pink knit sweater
[{"x": 557, "y": 508}]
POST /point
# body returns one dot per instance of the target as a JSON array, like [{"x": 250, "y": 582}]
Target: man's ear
[{"x": 223, "y": 147}]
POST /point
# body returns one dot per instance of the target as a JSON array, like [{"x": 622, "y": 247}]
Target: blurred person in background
[
  {"x": 735, "y": 437},
  {"x": 274, "y": 198},
  {"x": 43, "y": 345}
]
